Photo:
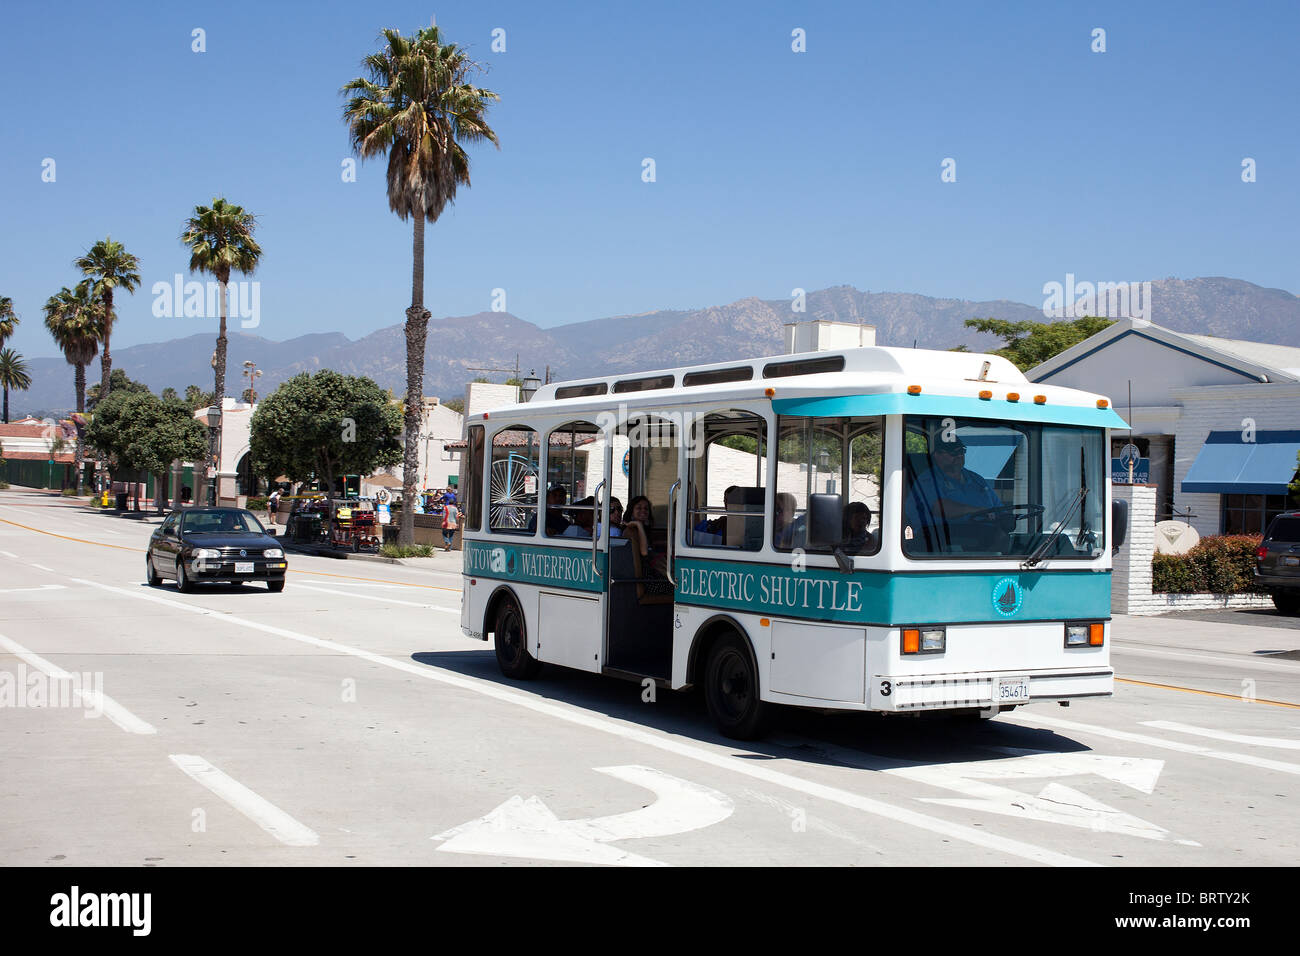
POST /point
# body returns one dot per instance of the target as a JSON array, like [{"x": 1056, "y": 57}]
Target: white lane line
[
  {"x": 1252, "y": 663},
  {"x": 1262, "y": 762},
  {"x": 95, "y": 701},
  {"x": 43, "y": 587},
  {"x": 258, "y": 809},
  {"x": 42, "y": 567},
  {"x": 1279, "y": 742},
  {"x": 382, "y": 600},
  {"x": 9, "y": 554},
  {"x": 574, "y": 715}
]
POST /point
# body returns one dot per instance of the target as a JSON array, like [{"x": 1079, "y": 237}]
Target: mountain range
[{"x": 457, "y": 345}]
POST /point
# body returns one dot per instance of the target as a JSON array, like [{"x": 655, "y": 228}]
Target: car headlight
[
  {"x": 205, "y": 553},
  {"x": 273, "y": 553}
]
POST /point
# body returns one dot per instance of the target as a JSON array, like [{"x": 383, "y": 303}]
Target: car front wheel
[
  {"x": 183, "y": 582},
  {"x": 150, "y": 573}
]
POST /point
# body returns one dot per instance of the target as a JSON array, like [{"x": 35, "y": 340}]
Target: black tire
[
  {"x": 183, "y": 582},
  {"x": 275, "y": 587},
  {"x": 512, "y": 643},
  {"x": 150, "y": 573},
  {"x": 1287, "y": 602},
  {"x": 731, "y": 691}
]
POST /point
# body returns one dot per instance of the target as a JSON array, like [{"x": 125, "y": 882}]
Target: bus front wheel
[
  {"x": 512, "y": 644},
  {"x": 731, "y": 691}
]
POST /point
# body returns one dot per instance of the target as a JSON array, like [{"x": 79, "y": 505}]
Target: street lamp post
[
  {"x": 530, "y": 385},
  {"x": 214, "y": 427}
]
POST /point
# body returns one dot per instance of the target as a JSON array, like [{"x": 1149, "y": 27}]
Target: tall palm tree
[
  {"x": 74, "y": 320},
  {"x": 221, "y": 241},
  {"x": 415, "y": 105},
  {"x": 8, "y": 318},
  {"x": 108, "y": 266},
  {"x": 13, "y": 374}
]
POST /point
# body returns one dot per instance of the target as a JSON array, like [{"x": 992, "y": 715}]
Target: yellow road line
[
  {"x": 328, "y": 574},
  {"x": 1209, "y": 693}
]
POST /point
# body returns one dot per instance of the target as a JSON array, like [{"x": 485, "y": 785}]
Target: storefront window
[{"x": 1250, "y": 514}]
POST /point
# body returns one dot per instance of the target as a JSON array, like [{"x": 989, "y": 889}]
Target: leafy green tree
[
  {"x": 1032, "y": 343},
  {"x": 196, "y": 398},
  {"x": 1294, "y": 487},
  {"x": 13, "y": 374},
  {"x": 74, "y": 320},
  {"x": 121, "y": 381},
  {"x": 108, "y": 266},
  {"x": 416, "y": 106},
  {"x": 137, "y": 431},
  {"x": 8, "y": 319},
  {"x": 456, "y": 405},
  {"x": 325, "y": 425},
  {"x": 221, "y": 241}
]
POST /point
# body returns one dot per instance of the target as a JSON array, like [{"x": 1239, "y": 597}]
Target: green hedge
[
  {"x": 1220, "y": 564},
  {"x": 256, "y": 504}
]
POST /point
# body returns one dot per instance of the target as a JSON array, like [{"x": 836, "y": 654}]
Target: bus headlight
[
  {"x": 1085, "y": 635},
  {"x": 924, "y": 640}
]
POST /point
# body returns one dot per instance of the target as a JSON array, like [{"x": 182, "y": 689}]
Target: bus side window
[{"x": 727, "y": 482}]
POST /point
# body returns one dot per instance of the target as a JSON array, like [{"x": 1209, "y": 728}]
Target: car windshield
[
  {"x": 222, "y": 522},
  {"x": 992, "y": 489}
]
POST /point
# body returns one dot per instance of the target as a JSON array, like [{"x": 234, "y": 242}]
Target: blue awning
[{"x": 1228, "y": 465}]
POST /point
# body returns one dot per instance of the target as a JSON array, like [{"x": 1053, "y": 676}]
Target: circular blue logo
[
  {"x": 626, "y": 457},
  {"x": 1008, "y": 595}
]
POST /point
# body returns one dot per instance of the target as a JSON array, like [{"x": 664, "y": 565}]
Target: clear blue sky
[{"x": 774, "y": 169}]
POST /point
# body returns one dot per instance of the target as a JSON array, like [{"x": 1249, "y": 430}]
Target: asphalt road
[{"x": 347, "y": 721}]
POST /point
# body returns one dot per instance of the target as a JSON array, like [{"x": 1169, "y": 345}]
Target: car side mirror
[
  {"x": 1118, "y": 523},
  {"x": 825, "y": 521}
]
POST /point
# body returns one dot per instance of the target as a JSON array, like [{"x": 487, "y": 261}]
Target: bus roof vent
[
  {"x": 829, "y": 363},
  {"x": 717, "y": 376},
  {"x": 580, "y": 391},
  {"x": 643, "y": 384}
]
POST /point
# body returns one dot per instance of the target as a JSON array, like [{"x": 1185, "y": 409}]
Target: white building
[
  {"x": 1218, "y": 418},
  {"x": 439, "y": 447}
]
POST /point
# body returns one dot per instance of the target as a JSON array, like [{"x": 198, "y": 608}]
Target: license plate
[
  {"x": 1291, "y": 562},
  {"x": 243, "y": 567},
  {"x": 1011, "y": 689}
]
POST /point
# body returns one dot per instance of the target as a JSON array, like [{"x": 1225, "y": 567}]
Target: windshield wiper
[{"x": 1037, "y": 554}]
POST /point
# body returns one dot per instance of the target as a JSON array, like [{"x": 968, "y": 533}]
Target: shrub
[
  {"x": 414, "y": 551},
  {"x": 70, "y": 492},
  {"x": 1219, "y": 564},
  {"x": 256, "y": 504}
]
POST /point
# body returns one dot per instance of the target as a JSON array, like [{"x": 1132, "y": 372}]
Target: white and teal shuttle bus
[{"x": 872, "y": 529}]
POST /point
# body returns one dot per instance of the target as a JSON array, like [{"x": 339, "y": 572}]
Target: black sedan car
[{"x": 214, "y": 546}]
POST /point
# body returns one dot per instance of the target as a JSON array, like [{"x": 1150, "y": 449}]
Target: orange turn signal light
[
  {"x": 1102, "y": 403},
  {"x": 1040, "y": 399},
  {"x": 769, "y": 392},
  {"x": 985, "y": 393},
  {"x": 911, "y": 640},
  {"x": 1013, "y": 396},
  {"x": 914, "y": 390},
  {"x": 765, "y": 622},
  {"x": 1096, "y": 634}
]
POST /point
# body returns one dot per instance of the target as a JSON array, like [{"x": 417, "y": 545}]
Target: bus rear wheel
[
  {"x": 512, "y": 643},
  {"x": 731, "y": 691}
]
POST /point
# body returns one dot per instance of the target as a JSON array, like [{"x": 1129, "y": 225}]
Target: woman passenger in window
[{"x": 857, "y": 539}]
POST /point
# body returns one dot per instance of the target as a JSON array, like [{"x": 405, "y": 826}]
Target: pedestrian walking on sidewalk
[{"x": 450, "y": 521}]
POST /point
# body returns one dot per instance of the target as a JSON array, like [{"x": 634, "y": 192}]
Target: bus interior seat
[{"x": 745, "y": 533}]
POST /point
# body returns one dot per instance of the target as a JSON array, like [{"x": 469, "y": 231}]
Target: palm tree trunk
[
  {"x": 79, "y": 455},
  {"x": 106, "y": 360},
  {"x": 417, "y": 330},
  {"x": 6, "y": 404},
  {"x": 219, "y": 387}
]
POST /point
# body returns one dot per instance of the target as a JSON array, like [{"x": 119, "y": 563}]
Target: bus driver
[{"x": 946, "y": 501}]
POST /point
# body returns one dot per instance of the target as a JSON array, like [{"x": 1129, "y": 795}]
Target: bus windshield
[{"x": 975, "y": 488}]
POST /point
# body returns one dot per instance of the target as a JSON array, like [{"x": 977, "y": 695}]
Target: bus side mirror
[
  {"x": 1118, "y": 522},
  {"x": 825, "y": 521}
]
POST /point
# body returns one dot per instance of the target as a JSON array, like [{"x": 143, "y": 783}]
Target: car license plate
[
  {"x": 1011, "y": 689},
  {"x": 243, "y": 567},
  {"x": 1291, "y": 562}
]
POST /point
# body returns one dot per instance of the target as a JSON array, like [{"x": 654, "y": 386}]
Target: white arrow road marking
[
  {"x": 528, "y": 828},
  {"x": 1055, "y": 803},
  {"x": 43, "y": 587},
  {"x": 627, "y": 731},
  {"x": 258, "y": 809},
  {"x": 1280, "y": 742},
  {"x": 95, "y": 701},
  {"x": 1178, "y": 745}
]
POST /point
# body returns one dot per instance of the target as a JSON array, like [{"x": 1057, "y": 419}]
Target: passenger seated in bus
[
  {"x": 556, "y": 522},
  {"x": 584, "y": 519},
  {"x": 615, "y": 516},
  {"x": 783, "y": 526},
  {"x": 639, "y": 529},
  {"x": 947, "y": 496},
  {"x": 857, "y": 539}
]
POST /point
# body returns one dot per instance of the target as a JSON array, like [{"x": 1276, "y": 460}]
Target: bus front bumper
[{"x": 910, "y": 693}]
